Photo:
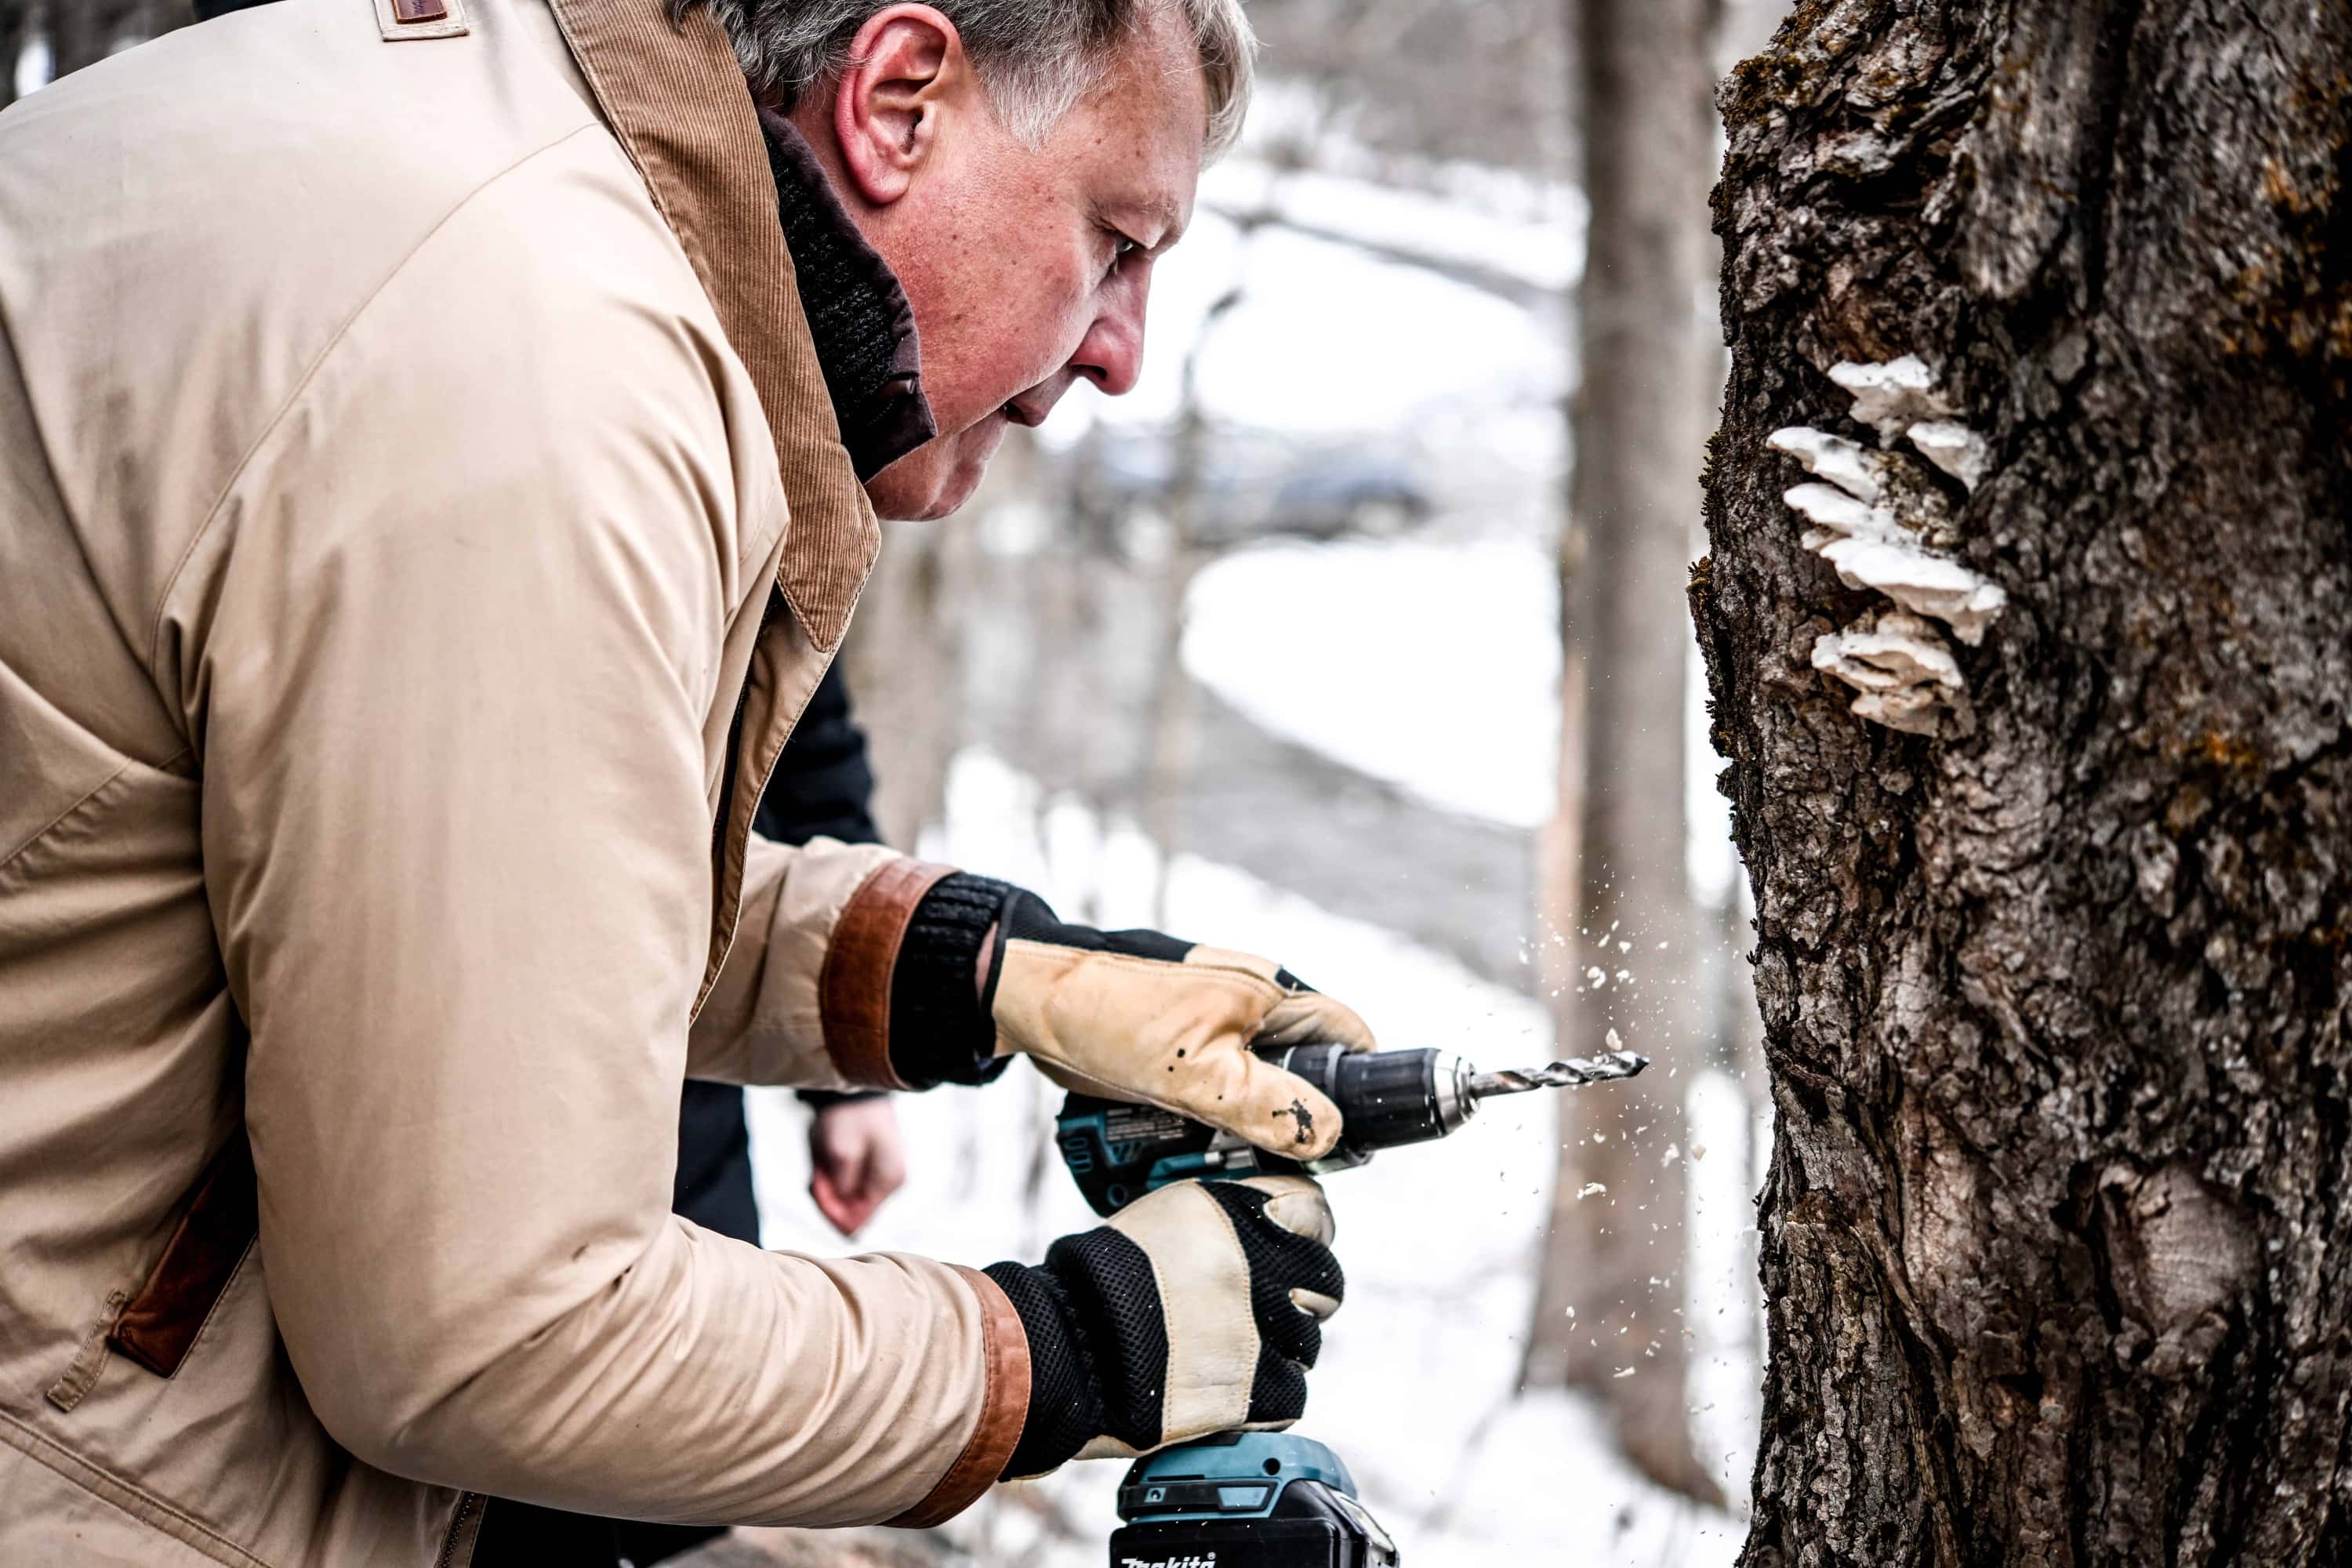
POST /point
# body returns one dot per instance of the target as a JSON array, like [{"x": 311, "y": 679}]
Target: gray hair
[{"x": 1035, "y": 57}]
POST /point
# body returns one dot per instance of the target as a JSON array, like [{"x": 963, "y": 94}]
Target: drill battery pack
[{"x": 1245, "y": 1499}]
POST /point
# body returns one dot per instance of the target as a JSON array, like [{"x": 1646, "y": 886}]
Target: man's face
[{"x": 1027, "y": 270}]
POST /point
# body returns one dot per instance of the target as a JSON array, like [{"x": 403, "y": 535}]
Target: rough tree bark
[
  {"x": 2058, "y": 1234},
  {"x": 1615, "y": 1257}
]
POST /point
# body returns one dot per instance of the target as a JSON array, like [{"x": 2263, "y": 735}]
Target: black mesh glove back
[{"x": 1196, "y": 1310}]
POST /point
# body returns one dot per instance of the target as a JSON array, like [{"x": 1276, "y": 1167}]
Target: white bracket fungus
[
  {"x": 1903, "y": 672},
  {"x": 1875, "y": 540},
  {"x": 1893, "y": 396},
  {"x": 1955, "y": 449},
  {"x": 1878, "y": 523}
]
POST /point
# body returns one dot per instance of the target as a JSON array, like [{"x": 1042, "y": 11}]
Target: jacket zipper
[{"x": 467, "y": 1503}]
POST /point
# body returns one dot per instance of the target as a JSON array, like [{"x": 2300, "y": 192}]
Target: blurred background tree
[{"x": 1609, "y": 1314}]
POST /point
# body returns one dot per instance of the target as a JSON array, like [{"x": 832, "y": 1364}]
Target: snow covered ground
[{"x": 1416, "y": 1382}]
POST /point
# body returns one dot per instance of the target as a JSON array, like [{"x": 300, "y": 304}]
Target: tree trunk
[
  {"x": 16, "y": 32},
  {"x": 83, "y": 32},
  {"x": 2058, "y": 1232},
  {"x": 1615, "y": 1256}
]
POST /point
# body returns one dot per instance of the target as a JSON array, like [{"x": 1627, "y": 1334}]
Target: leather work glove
[
  {"x": 1197, "y": 1309},
  {"x": 984, "y": 972},
  {"x": 1133, "y": 1014}
]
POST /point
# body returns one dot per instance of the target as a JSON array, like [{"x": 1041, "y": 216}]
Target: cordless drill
[{"x": 1272, "y": 1500}]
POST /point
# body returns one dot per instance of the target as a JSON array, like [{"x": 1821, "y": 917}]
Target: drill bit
[{"x": 1573, "y": 1073}]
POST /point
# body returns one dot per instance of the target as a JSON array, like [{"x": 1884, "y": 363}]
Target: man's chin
[{"x": 934, "y": 481}]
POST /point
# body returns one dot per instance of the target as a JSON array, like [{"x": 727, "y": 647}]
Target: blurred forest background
[{"x": 1356, "y": 636}]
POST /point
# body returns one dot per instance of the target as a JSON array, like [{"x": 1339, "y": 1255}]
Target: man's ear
[{"x": 906, "y": 69}]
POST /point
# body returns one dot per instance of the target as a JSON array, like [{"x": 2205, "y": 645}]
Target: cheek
[
  {"x": 1039, "y": 309},
  {"x": 1009, "y": 300}
]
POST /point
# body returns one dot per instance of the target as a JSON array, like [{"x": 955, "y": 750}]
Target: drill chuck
[{"x": 1386, "y": 1098}]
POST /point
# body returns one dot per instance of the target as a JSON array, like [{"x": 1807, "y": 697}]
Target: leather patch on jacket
[
  {"x": 398, "y": 21},
  {"x": 1003, "y": 1411},
  {"x": 160, "y": 1323},
  {"x": 854, "y": 988}
]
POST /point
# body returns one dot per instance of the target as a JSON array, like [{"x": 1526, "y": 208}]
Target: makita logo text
[{"x": 1208, "y": 1562}]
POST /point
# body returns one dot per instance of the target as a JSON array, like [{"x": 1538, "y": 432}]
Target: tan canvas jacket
[{"x": 414, "y": 469}]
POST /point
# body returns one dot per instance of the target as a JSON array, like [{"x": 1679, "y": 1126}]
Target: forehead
[{"x": 1138, "y": 138}]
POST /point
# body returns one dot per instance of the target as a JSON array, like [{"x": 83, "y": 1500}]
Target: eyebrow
[{"x": 1170, "y": 217}]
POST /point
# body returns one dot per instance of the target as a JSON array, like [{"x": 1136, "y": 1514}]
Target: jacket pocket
[{"x": 158, "y": 1325}]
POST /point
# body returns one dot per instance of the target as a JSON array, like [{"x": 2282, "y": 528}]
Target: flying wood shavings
[{"x": 1590, "y": 1190}]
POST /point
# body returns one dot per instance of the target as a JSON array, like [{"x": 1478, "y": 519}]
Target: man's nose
[{"x": 1111, "y": 354}]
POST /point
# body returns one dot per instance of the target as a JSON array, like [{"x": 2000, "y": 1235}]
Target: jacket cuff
[
  {"x": 1003, "y": 1411},
  {"x": 1066, "y": 1402},
  {"x": 854, "y": 988}
]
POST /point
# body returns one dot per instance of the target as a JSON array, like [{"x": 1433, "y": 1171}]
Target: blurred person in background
[{"x": 439, "y": 459}]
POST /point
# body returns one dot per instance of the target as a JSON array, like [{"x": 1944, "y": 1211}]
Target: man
[{"x": 425, "y": 512}]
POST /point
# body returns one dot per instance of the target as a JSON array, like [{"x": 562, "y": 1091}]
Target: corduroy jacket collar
[{"x": 676, "y": 100}]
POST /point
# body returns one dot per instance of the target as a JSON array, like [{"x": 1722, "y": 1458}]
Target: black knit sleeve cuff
[
  {"x": 940, "y": 1031},
  {"x": 1066, "y": 1407}
]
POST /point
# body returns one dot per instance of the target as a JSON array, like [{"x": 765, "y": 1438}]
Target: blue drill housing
[{"x": 1245, "y": 1499}]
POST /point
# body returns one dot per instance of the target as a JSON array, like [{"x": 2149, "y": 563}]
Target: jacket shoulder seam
[{"x": 335, "y": 340}]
